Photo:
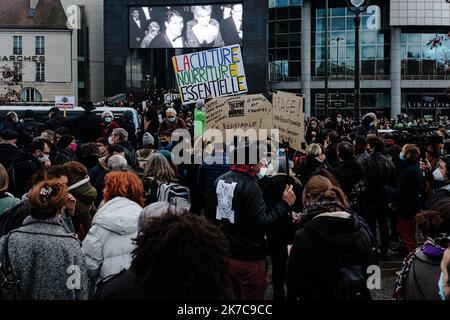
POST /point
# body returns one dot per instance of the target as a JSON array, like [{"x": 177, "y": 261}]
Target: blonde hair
[
  {"x": 313, "y": 150},
  {"x": 197, "y": 9},
  {"x": 159, "y": 168},
  {"x": 322, "y": 186},
  {"x": 4, "y": 179}
]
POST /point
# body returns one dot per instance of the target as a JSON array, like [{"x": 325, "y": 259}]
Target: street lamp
[
  {"x": 337, "y": 55},
  {"x": 358, "y": 7}
]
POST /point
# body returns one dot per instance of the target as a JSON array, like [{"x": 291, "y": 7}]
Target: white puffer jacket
[{"x": 108, "y": 245}]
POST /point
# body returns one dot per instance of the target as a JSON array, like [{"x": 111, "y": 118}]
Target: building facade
[
  {"x": 56, "y": 46},
  {"x": 36, "y": 42},
  {"x": 399, "y": 71}
]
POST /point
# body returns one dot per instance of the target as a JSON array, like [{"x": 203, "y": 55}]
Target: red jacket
[{"x": 107, "y": 130}]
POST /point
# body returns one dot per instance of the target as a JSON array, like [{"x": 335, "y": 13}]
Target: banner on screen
[
  {"x": 205, "y": 26},
  {"x": 210, "y": 74}
]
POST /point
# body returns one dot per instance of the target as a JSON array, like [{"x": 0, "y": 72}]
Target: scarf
[
  {"x": 245, "y": 168},
  {"x": 319, "y": 206},
  {"x": 431, "y": 249}
]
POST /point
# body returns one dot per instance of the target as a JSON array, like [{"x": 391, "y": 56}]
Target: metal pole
[
  {"x": 337, "y": 57},
  {"x": 326, "y": 58},
  {"x": 357, "y": 114}
]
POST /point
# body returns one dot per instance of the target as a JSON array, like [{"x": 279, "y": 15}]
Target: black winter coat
[
  {"x": 281, "y": 233},
  {"x": 244, "y": 217},
  {"x": 407, "y": 195},
  {"x": 313, "y": 271},
  {"x": 353, "y": 182}
]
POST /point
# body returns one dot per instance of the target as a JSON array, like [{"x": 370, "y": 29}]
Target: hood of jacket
[
  {"x": 83, "y": 191},
  {"x": 7, "y": 148},
  {"x": 337, "y": 231},
  {"x": 119, "y": 215}
]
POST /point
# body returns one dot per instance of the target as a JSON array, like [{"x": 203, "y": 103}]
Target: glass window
[
  {"x": 429, "y": 67},
  {"x": 295, "y": 12},
  {"x": 281, "y": 27},
  {"x": 369, "y": 37},
  {"x": 338, "y": 12},
  {"x": 40, "y": 72},
  {"x": 30, "y": 95},
  {"x": 428, "y": 53},
  {"x": 412, "y": 68},
  {"x": 320, "y": 39},
  {"x": 295, "y": 26},
  {"x": 368, "y": 67},
  {"x": 403, "y": 38},
  {"x": 414, "y": 38},
  {"x": 294, "y": 69},
  {"x": 320, "y": 24},
  {"x": 350, "y": 37},
  {"x": 17, "y": 49},
  {"x": 294, "y": 40},
  {"x": 368, "y": 52},
  {"x": 320, "y": 53},
  {"x": 283, "y": 13},
  {"x": 281, "y": 54},
  {"x": 413, "y": 51},
  {"x": 351, "y": 24},
  {"x": 338, "y": 23},
  {"x": 320, "y": 13},
  {"x": 40, "y": 45},
  {"x": 295, "y": 54},
  {"x": 380, "y": 54},
  {"x": 282, "y": 41},
  {"x": 350, "y": 53}
]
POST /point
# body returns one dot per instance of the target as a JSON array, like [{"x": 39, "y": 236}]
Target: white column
[
  {"x": 306, "y": 55},
  {"x": 396, "y": 72}
]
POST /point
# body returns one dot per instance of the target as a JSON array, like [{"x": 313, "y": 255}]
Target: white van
[{"x": 41, "y": 112}]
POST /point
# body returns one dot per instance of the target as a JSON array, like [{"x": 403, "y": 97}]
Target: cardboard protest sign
[
  {"x": 288, "y": 117},
  {"x": 239, "y": 112},
  {"x": 213, "y": 73}
]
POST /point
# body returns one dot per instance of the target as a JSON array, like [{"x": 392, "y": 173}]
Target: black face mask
[{"x": 164, "y": 143}]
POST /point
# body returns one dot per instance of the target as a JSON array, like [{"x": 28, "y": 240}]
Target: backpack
[
  {"x": 351, "y": 284},
  {"x": 352, "y": 278},
  {"x": 11, "y": 219},
  {"x": 175, "y": 194}
]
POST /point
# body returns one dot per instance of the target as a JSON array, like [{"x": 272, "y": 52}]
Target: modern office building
[
  {"x": 399, "y": 71},
  {"x": 284, "y": 49}
]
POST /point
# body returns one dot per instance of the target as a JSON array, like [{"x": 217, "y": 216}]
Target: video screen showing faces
[{"x": 201, "y": 26}]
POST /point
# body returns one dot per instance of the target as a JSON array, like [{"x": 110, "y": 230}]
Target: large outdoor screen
[{"x": 202, "y": 26}]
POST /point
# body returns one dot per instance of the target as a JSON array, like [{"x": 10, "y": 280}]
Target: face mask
[
  {"x": 108, "y": 119},
  {"x": 73, "y": 147},
  {"x": 164, "y": 143},
  {"x": 262, "y": 173},
  {"x": 441, "y": 287},
  {"x": 15, "y": 120},
  {"x": 43, "y": 158},
  {"x": 339, "y": 120},
  {"x": 401, "y": 156},
  {"x": 372, "y": 125},
  {"x": 171, "y": 119},
  {"x": 442, "y": 152},
  {"x": 110, "y": 140},
  {"x": 437, "y": 175}
]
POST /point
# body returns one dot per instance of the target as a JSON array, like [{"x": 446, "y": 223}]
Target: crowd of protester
[{"x": 100, "y": 200}]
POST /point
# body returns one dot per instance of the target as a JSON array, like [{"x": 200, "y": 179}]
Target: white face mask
[
  {"x": 43, "y": 158},
  {"x": 437, "y": 175},
  {"x": 110, "y": 140}
]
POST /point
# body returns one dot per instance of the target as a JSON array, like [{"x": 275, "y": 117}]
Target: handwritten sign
[
  {"x": 288, "y": 118},
  {"x": 213, "y": 73},
  {"x": 239, "y": 112}
]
